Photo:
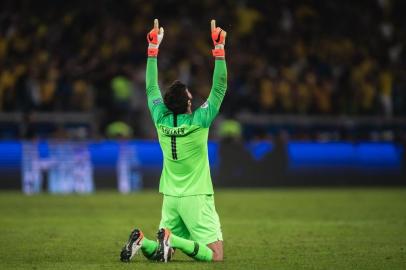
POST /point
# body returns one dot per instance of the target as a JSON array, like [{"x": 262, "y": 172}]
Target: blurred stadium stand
[
  {"x": 306, "y": 71},
  {"x": 305, "y": 58}
]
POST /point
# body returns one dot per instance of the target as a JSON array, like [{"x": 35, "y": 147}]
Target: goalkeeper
[{"x": 189, "y": 219}]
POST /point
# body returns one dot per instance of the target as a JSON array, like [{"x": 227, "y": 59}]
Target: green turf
[{"x": 264, "y": 229}]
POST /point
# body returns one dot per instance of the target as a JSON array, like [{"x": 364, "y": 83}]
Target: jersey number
[{"x": 173, "y": 139}]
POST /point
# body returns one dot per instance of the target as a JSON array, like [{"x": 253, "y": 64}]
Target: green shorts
[{"x": 192, "y": 217}]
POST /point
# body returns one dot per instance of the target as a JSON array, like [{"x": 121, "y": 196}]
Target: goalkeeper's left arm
[{"x": 155, "y": 102}]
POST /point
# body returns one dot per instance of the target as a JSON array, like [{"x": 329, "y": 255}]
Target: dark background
[{"x": 299, "y": 71}]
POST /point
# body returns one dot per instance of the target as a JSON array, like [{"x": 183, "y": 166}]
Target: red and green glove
[
  {"x": 218, "y": 36},
  {"x": 154, "y": 38}
]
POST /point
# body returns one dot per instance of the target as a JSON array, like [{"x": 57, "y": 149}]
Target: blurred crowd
[{"x": 285, "y": 57}]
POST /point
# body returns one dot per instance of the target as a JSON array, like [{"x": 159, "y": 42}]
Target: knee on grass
[
  {"x": 217, "y": 257},
  {"x": 217, "y": 249}
]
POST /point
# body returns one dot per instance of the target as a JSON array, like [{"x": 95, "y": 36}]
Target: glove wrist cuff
[
  {"x": 152, "y": 52},
  {"x": 218, "y": 52}
]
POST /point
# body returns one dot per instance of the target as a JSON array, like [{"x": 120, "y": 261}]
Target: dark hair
[{"x": 176, "y": 98}]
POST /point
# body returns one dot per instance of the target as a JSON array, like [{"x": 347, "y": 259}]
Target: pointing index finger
[
  {"x": 213, "y": 25},
  {"x": 156, "y": 24}
]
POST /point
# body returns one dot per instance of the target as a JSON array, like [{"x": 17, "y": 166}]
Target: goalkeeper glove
[
  {"x": 154, "y": 38},
  {"x": 218, "y": 36}
]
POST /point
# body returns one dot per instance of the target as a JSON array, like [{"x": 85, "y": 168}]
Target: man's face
[
  {"x": 189, "y": 95},
  {"x": 189, "y": 102}
]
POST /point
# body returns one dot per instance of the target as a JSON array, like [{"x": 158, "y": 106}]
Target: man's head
[{"x": 178, "y": 98}]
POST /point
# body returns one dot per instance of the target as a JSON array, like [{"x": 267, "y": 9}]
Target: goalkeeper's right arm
[
  {"x": 219, "y": 85},
  {"x": 209, "y": 110}
]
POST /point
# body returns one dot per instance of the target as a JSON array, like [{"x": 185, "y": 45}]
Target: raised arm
[
  {"x": 155, "y": 103},
  {"x": 208, "y": 111},
  {"x": 219, "y": 85},
  {"x": 151, "y": 82}
]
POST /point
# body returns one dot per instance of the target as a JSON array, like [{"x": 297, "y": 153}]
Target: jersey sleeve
[
  {"x": 209, "y": 110},
  {"x": 154, "y": 96}
]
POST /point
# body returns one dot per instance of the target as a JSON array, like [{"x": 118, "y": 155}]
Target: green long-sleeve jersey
[{"x": 183, "y": 137}]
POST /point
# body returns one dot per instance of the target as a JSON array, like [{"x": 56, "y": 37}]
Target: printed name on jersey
[
  {"x": 205, "y": 105},
  {"x": 157, "y": 101},
  {"x": 173, "y": 131}
]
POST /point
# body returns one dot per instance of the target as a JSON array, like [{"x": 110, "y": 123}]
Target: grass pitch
[{"x": 263, "y": 229}]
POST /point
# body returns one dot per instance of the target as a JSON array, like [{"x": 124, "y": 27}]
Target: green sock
[
  {"x": 149, "y": 247},
  {"x": 193, "y": 249}
]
